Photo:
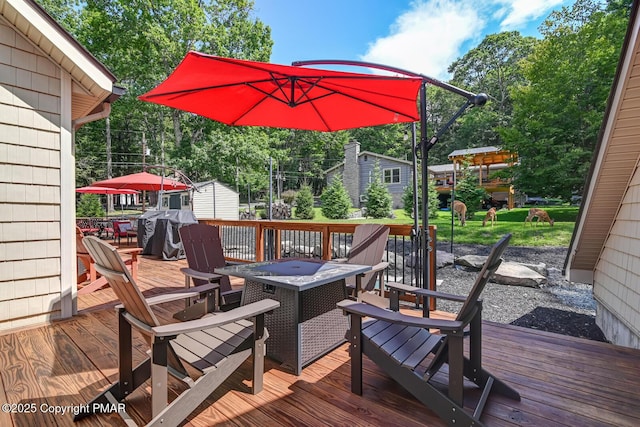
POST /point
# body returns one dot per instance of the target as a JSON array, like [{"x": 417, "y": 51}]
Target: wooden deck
[{"x": 562, "y": 380}]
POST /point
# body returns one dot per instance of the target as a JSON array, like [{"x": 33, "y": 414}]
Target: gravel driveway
[{"x": 560, "y": 306}]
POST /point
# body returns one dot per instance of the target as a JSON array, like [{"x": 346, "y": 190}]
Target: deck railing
[{"x": 258, "y": 240}]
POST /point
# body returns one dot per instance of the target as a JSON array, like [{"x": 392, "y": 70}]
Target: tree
[
  {"x": 434, "y": 202},
  {"x": 558, "y": 113},
  {"x": 304, "y": 203},
  {"x": 468, "y": 192},
  {"x": 379, "y": 200},
  {"x": 89, "y": 206},
  {"x": 335, "y": 200},
  {"x": 142, "y": 42}
]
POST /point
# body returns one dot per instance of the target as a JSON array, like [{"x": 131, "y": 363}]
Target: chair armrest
[
  {"x": 178, "y": 295},
  {"x": 219, "y": 319},
  {"x": 366, "y": 310},
  {"x": 380, "y": 266},
  {"x": 231, "y": 292},
  {"x": 200, "y": 274},
  {"x": 425, "y": 292},
  {"x": 130, "y": 251}
]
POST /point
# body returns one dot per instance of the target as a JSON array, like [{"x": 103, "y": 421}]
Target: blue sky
[{"x": 423, "y": 36}]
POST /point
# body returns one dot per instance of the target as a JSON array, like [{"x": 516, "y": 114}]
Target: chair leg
[
  {"x": 159, "y": 375},
  {"x": 259, "y": 352},
  {"x": 355, "y": 350}
]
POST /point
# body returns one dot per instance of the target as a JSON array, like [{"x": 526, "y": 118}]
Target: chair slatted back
[
  {"x": 368, "y": 246},
  {"x": 203, "y": 249},
  {"x": 109, "y": 264},
  {"x": 490, "y": 266}
]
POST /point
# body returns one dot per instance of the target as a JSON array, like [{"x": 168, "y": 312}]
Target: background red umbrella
[
  {"x": 104, "y": 190},
  {"x": 241, "y": 93},
  {"x": 92, "y": 189},
  {"x": 142, "y": 181}
]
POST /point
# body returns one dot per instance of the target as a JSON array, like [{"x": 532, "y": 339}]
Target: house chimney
[{"x": 351, "y": 172}]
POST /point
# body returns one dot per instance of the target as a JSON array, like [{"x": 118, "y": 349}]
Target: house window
[
  {"x": 185, "y": 200},
  {"x": 165, "y": 202},
  {"x": 391, "y": 176}
]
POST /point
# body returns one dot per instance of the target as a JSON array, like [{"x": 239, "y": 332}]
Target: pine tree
[
  {"x": 379, "y": 199},
  {"x": 335, "y": 200},
  {"x": 304, "y": 203}
]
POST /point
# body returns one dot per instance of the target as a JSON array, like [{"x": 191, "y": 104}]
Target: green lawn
[{"x": 508, "y": 222}]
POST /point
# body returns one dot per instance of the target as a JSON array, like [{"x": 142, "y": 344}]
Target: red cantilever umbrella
[{"x": 241, "y": 93}]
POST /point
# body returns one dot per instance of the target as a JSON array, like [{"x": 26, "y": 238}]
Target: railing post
[
  {"x": 326, "y": 243},
  {"x": 277, "y": 244},
  {"x": 259, "y": 242}
]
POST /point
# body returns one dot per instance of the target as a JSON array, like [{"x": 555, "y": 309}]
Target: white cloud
[
  {"x": 432, "y": 34},
  {"x": 428, "y": 38},
  {"x": 518, "y": 12}
]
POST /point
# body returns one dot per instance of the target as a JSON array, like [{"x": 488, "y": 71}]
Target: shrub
[
  {"x": 89, "y": 206},
  {"x": 335, "y": 200},
  {"x": 379, "y": 201},
  {"x": 289, "y": 196},
  {"x": 304, "y": 203},
  {"x": 468, "y": 192}
]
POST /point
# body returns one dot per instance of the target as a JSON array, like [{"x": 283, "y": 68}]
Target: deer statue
[
  {"x": 490, "y": 216},
  {"x": 538, "y": 214},
  {"x": 460, "y": 210}
]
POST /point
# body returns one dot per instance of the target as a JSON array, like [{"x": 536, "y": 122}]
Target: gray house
[{"x": 358, "y": 173}]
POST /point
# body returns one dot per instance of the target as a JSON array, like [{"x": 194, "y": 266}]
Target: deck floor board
[{"x": 563, "y": 380}]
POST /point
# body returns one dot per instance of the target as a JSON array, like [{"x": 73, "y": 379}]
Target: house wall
[
  {"x": 30, "y": 184},
  {"x": 217, "y": 201},
  {"x": 616, "y": 285},
  {"x": 367, "y": 164}
]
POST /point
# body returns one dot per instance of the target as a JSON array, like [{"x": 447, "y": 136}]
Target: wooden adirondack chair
[
  {"x": 368, "y": 246},
  {"x": 214, "y": 346},
  {"x": 407, "y": 351},
  {"x": 203, "y": 249}
]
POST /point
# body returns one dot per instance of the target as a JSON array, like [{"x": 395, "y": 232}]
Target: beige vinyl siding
[
  {"x": 617, "y": 273},
  {"x": 30, "y": 249}
]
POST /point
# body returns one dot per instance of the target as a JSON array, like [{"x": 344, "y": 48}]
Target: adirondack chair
[
  {"x": 214, "y": 345},
  {"x": 203, "y": 249},
  {"x": 408, "y": 352},
  {"x": 368, "y": 246}
]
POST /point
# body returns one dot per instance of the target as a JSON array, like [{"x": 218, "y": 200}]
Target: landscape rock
[
  {"x": 509, "y": 273},
  {"x": 516, "y": 274}
]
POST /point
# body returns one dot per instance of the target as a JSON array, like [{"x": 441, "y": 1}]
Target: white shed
[{"x": 212, "y": 199}]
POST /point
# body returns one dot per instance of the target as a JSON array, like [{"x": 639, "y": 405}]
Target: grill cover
[{"x": 158, "y": 233}]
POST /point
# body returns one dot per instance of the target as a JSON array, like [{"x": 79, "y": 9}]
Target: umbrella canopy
[
  {"x": 105, "y": 190},
  {"x": 142, "y": 181},
  {"x": 249, "y": 93}
]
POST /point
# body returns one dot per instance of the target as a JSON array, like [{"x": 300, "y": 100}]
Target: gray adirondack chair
[
  {"x": 214, "y": 345},
  {"x": 368, "y": 246},
  {"x": 407, "y": 351}
]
